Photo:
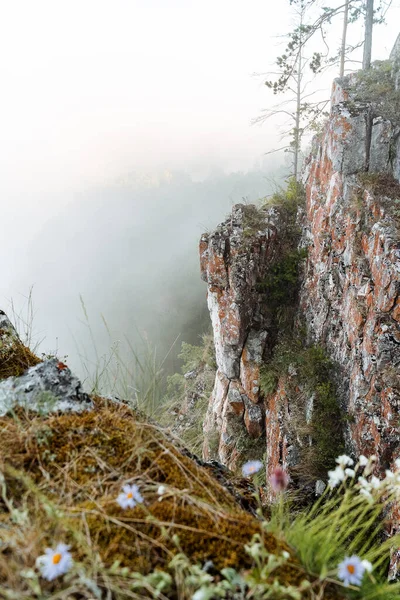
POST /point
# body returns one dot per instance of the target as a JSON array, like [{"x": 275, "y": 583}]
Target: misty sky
[
  {"x": 91, "y": 87},
  {"x": 92, "y": 90}
]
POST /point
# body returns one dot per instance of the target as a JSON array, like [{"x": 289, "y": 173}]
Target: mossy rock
[
  {"x": 15, "y": 358},
  {"x": 80, "y": 462}
]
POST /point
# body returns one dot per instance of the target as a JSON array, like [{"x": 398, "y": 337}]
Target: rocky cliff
[{"x": 329, "y": 358}]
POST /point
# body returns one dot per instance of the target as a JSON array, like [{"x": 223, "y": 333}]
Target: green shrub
[
  {"x": 288, "y": 199},
  {"x": 314, "y": 377},
  {"x": 268, "y": 379},
  {"x": 254, "y": 219},
  {"x": 281, "y": 282},
  {"x": 200, "y": 361},
  {"x": 193, "y": 357},
  {"x": 376, "y": 86}
]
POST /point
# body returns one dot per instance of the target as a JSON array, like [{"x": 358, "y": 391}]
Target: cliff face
[
  {"x": 233, "y": 258},
  {"x": 348, "y": 305},
  {"x": 350, "y": 296}
]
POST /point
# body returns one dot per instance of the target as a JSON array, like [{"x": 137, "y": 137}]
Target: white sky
[{"x": 92, "y": 89}]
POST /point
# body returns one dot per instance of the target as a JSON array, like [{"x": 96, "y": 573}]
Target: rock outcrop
[
  {"x": 63, "y": 470},
  {"x": 48, "y": 387},
  {"x": 349, "y": 301},
  {"x": 233, "y": 259},
  {"x": 42, "y": 386},
  {"x": 350, "y": 296}
]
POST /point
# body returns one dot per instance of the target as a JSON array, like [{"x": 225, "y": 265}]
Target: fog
[
  {"x": 130, "y": 250},
  {"x": 125, "y": 132}
]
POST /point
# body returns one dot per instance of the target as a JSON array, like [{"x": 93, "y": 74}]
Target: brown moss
[
  {"x": 15, "y": 358},
  {"x": 203, "y": 535},
  {"x": 89, "y": 457},
  {"x": 109, "y": 441},
  {"x": 66, "y": 471}
]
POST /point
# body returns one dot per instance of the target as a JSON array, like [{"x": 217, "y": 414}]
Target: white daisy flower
[
  {"x": 350, "y": 472},
  {"x": 54, "y": 563},
  {"x": 344, "y": 461},
  {"x": 367, "y": 494},
  {"x": 375, "y": 483},
  {"x": 351, "y": 570},
  {"x": 251, "y": 467},
  {"x": 363, "y": 461},
  {"x": 129, "y": 497},
  {"x": 397, "y": 463},
  {"x": 366, "y": 488},
  {"x": 336, "y": 476}
]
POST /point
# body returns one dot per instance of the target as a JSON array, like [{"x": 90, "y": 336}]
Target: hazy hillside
[{"x": 130, "y": 250}]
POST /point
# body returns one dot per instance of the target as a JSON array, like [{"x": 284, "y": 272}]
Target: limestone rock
[
  {"x": 350, "y": 293},
  {"x": 233, "y": 259},
  {"x": 9, "y": 335},
  {"x": 349, "y": 299},
  {"x": 47, "y": 387}
]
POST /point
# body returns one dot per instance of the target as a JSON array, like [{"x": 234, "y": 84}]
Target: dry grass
[
  {"x": 62, "y": 475},
  {"x": 15, "y": 358}
]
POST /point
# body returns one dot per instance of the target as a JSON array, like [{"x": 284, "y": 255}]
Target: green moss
[
  {"x": 82, "y": 461},
  {"x": 199, "y": 535},
  {"x": 281, "y": 281}
]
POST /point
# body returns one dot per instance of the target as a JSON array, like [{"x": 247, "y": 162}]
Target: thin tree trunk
[
  {"x": 369, "y": 22},
  {"x": 344, "y": 36},
  {"x": 297, "y": 125},
  {"x": 298, "y": 105}
]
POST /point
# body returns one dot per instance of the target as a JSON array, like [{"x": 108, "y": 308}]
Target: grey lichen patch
[{"x": 45, "y": 388}]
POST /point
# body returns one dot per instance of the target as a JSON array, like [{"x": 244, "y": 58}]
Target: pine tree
[{"x": 297, "y": 67}]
